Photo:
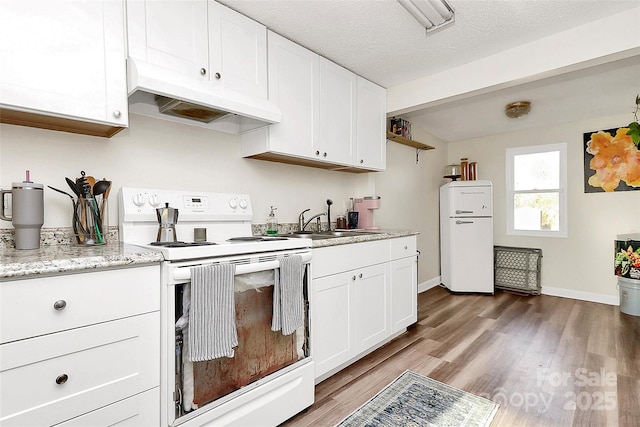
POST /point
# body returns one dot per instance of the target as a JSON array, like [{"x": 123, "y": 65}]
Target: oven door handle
[{"x": 184, "y": 273}]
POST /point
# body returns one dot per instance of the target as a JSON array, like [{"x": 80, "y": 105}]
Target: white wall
[
  {"x": 160, "y": 154},
  {"x": 154, "y": 153},
  {"x": 409, "y": 194},
  {"x": 581, "y": 265}
]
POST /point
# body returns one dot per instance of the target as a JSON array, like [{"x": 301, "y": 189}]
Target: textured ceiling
[{"x": 380, "y": 41}]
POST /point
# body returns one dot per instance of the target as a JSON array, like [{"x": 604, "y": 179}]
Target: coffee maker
[
  {"x": 167, "y": 220},
  {"x": 365, "y": 207}
]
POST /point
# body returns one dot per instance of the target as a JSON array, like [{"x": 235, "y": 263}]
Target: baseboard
[
  {"x": 431, "y": 283},
  {"x": 583, "y": 296}
]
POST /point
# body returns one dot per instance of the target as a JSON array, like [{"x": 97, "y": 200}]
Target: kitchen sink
[{"x": 329, "y": 234}]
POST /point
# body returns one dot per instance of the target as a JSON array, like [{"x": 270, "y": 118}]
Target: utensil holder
[{"x": 90, "y": 221}]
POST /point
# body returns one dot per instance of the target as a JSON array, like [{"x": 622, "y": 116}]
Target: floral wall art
[{"x": 611, "y": 161}]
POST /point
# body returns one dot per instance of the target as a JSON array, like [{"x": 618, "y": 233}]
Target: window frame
[{"x": 511, "y": 153}]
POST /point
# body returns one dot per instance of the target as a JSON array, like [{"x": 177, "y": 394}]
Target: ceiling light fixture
[
  {"x": 431, "y": 14},
  {"x": 518, "y": 109}
]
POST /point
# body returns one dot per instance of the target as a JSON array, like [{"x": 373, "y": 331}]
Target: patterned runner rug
[{"x": 415, "y": 400}]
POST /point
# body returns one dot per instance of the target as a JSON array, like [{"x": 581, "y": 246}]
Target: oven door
[{"x": 270, "y": 376}]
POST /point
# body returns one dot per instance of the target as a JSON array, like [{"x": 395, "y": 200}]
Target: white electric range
[{"x": 269, "y": 397}]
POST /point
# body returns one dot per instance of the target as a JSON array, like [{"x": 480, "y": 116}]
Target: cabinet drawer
[
  {"x": 27, "y": 306},
  {"x": 337, "y": 259},
  {"x": 140, "y": 410},
  {"x": 53, "y": 378},
  {"x": 403, "y": 247}
]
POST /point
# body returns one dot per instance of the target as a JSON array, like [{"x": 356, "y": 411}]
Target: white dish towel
[
  {"x": 212, "y": 316},
  {"x": 288, "y": 301}
]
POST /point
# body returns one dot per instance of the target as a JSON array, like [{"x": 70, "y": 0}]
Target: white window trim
[{"x": 563, "y": 223}]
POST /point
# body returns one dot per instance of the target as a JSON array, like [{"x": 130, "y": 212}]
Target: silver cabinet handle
[
  {"x": 353, "y": 278},
  {"x": 406, "y": 247},
  {"x": 60, "y": 304},
  {"x": 203, "y": 71},
  {"x": 464, "y": 222},
  {"x": 361, "y": 161},
  {"x": 117, "y": 114},
  {"x": 218, "y": 76},
  {"x": 61, "y": 379},
  {"x": 463, "y": 212},
  {"x": 360, "y": 275},
  {"x": 324, "y": 154},
  {"x": 317, "y": 153}
]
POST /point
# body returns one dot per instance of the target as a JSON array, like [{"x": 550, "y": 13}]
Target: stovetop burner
[{"x": 180, "y": 244}]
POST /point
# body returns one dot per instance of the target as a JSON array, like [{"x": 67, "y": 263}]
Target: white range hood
[{"x": 239, "y": 112}]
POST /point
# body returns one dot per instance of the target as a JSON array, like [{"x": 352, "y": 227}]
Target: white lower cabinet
[
  {"x": 362, "y": 294},
  {"x": 100, "y": 366}
]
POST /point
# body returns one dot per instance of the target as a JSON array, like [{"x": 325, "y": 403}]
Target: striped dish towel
[
  {"x": 288, "y": 303},
  {"x": 212, "y": 317}
]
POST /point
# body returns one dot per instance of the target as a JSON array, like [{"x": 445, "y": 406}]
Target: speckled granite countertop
[
  {"x": 57, "y": 259},
  {"x": 365, "y": 237},
  {"x": 69, "y": 258}
]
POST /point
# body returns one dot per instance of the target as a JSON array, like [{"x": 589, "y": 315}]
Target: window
[{"x": 536, "y": 190}]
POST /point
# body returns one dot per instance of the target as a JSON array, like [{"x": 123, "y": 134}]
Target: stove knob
[
  {"x": 138, "y": 199},
  {"x": 233, "y": 203},
  {"x": 243, "y": 203},
  {"x": 154, "y": 200}
]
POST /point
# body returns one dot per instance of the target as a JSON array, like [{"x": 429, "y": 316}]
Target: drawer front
[
  {"x": 53, "y": 378},
  {"x": 140, "y": 410},
  {"x": 44, "y": 305},
  {"x": 403, "y": 247},
  {"x": 337, "y": 259}
]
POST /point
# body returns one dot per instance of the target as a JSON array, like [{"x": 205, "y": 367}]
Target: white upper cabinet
[
  {"x": 331, "y": 118},
  {"x": 370, "y": 126},
  {"x": 200, "y": 40},
  {"x": 337, "y": 110},
  {"x": 63, "y": 65},
  {"x": 293, "y": 87},
  {"x": 203, "y": 53},
  {"x": 170, "y": 34},
  {"x": 237, "y": 51}
]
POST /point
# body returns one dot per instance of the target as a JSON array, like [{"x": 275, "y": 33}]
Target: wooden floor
[{"x": 547, "y": 361}]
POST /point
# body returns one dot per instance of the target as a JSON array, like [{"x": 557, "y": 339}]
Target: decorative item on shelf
[
  {"x": 468, "y": 171},
  {"x": 400, "y": 127},
  {"x": 452, "y": 172},
  {"x": 518, "y": 109}
]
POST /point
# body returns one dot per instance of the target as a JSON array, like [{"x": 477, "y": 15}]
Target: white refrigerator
[{"x": 466, "y": 236}]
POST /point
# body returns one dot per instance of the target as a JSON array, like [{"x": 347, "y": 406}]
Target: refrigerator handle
[
  {"x": 463, "y": 222},
  {"x": 463, "y": 212}
]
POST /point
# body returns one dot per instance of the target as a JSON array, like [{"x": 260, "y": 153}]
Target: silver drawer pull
[
  {"x": 353, "y": 278},
  {"x": 406, "y": 247},
  {"x": 360, "y": 275},
  {"x": 464, "y": 222},
  {"x": 61, "y": 379},
  {"x": 463, "y": 212},
  {"x": 60, "y": 304}
]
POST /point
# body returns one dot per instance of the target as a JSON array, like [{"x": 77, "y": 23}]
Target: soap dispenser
[{"x": 272, "y": 222}]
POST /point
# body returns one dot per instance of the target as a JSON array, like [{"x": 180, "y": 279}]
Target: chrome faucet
[{"x": 301, "y": 222}]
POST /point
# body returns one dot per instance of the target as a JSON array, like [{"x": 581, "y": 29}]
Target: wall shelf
[{"x": 419, "y": 146}]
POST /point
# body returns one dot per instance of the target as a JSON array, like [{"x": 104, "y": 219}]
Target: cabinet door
[
  {"x": 237, "y": 51},
  {"x": 171, "y": 34},
  {"x": 404, "y": 293},
  {"x": 332, "y": 335},
  {"x": 337, "y": 109},
  {"x": 65, "y": 59},
  {"x": 370, "y": 125},
  {"x": 371, "y": 305},
  {"x": 293, "y": 86}
]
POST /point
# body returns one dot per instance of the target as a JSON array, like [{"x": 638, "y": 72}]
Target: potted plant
[{"x": 634, "y": 127}]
